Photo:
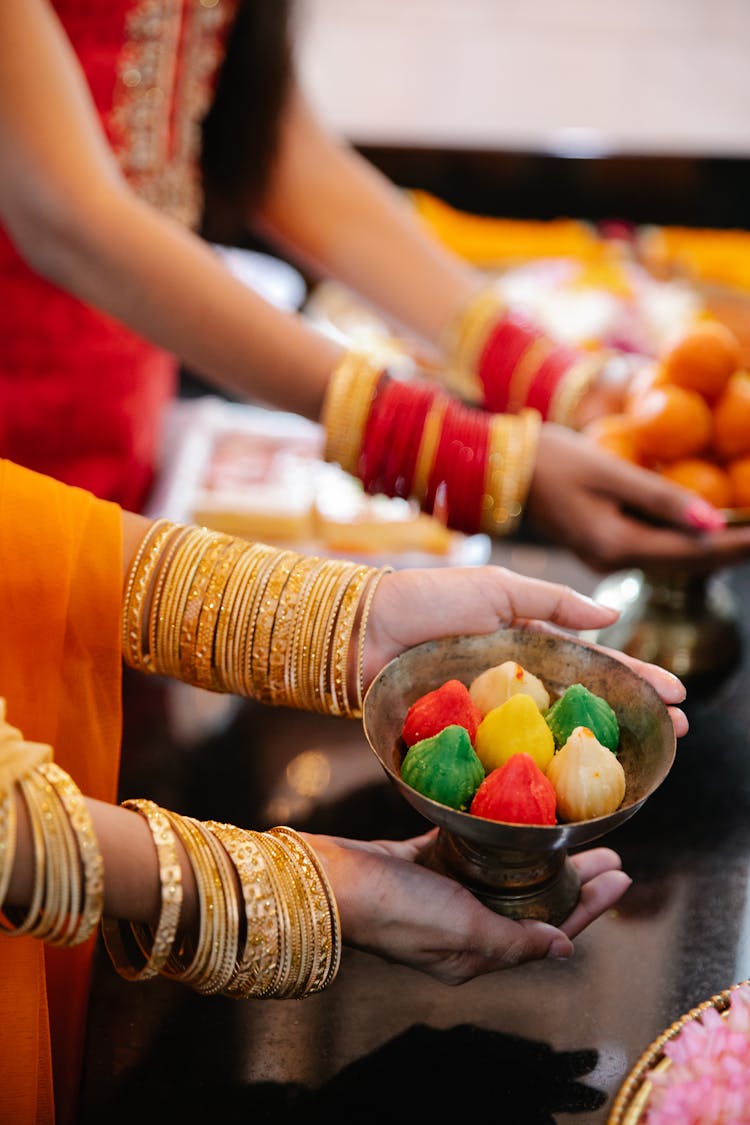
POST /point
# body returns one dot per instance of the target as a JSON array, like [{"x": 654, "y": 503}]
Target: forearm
[
  {"x": 131, "y": 871},
  {"x": 339, "y": 215},
  {"x": 78, "y": 224}
]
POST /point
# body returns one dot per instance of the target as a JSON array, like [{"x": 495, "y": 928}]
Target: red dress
[{"x": 82, "y": 397}]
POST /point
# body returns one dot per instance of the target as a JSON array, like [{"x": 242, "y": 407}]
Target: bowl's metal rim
[{"x": 537, "y": 836}]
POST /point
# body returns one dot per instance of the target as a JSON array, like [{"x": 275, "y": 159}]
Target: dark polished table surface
[{"x": 545, "y": 1042}]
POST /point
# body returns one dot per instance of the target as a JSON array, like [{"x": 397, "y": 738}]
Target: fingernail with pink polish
[{"x": 704, "y": 516}]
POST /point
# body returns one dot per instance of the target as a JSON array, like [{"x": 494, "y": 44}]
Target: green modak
[
  {"x": 579, "y": 707},
  {"x": 444, "y": 768}
]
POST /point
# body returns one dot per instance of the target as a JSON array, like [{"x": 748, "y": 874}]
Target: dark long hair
[{"x": 241, "y": 128}]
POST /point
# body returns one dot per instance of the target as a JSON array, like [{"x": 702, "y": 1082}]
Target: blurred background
[{"x": 509, "y": 106}]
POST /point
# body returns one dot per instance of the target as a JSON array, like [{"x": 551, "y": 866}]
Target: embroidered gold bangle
[
  {"x": 289, "y": 937},
  {"x": 171, "y": 547},
  {"x": 297, "y": 669},
  {"x": 62, "y": 893},
  {"x": 204, "y": 662},
  {"x": 322, "y": 911},
  {"x": 212, "y": 959},
  {"x": 324, "y": 697},
  {"x": 115, "y": 931},
  {"x": 165, "y": 658},
  {"x": 290, "y": 614},
  {"x": 261, "y": 625},
  {"x": 236, "y": 592},
  {"x": 524, "y": 371},
  {"x": 258, "y": 962},
  {"x": 215, "y": 546},
  {"x": 137, "y": 589},
  {"x": 349, "y": 395},
  {"x": 311, "y": 656},
  {"x": 247, "y": 615},
  {"x": 572, "y": 387},
  {"x": 88, "y": 850},
  {"x": 433, "y": 424},
  {"x": 8, "y": 830},
  {"x": 341, "y": 643},
  {"x": 369, "y": 596}
]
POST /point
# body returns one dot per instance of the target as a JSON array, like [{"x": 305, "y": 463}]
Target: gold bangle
[
  {"x": 89, "y": 854},
  {"x": 8, "y": 831},
  {"x": 178, "y": 579},
  {"x": 464, "y": 341},
  {"x": 369, "y": 597},
  {"x": 261, "y": 627},
  {"x": 62, "y": 876},
  {"x": 346, "y": 406},
  {"x": 8, "y": 924},
  {"x": 205, "y": 663},
  {"x": 572, "y": 387},
  {"x": 258, "y": 962},
  {"x": 214, "y": 547},
  {"x": 524, "y": 371},
  {"x": 341, "y": 641},
  {"x": 288, "y": 618},
  {"x": 115, "y": 932},
  {"x": 171, "y": 548},
  {"x": 310, "y": 662},
  {"x": 137, "y": 589},
  {"x": 322, "y": 910},
  {"x": 511, "y": 455}
]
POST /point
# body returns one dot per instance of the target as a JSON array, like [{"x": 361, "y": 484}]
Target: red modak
[
  {"x": 517, "y": 793},
  {"x": 446, "y": 706}
]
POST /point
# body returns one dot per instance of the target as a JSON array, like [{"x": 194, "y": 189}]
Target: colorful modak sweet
[
  {"x": 448, "y": 705},
  {"x": 579, "y": 707},
  {"x": 587, "y": 777},
  {"x": 516, "y": 726},
  {"x": 444, "y": 767},
  {"x": 496, "y": 685},
  {"x": 517, "y": 793}
]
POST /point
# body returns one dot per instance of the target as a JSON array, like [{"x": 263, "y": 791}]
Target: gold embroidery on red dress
[{"x": 165, "y": 78}]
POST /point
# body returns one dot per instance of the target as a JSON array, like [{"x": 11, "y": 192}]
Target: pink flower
[{"x": 708, "y": 1081}]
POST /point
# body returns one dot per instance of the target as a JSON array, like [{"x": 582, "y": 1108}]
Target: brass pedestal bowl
[{"x": 520, "y": 870}]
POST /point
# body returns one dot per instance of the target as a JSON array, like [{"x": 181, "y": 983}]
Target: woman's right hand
[
  {"x": 613, "y": 514},
  {"x": 392, "y": 905}
]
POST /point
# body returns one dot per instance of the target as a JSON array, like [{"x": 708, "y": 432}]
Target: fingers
[
  {"x": 550, "y": 601},
  {"x": 597, "y": 896}
]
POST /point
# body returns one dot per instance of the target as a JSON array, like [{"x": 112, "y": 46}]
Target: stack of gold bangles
[
  {"x": 68, "y": 891},
  {"x": 268, "y": 924},
  {"x": 229, "y": 615}
]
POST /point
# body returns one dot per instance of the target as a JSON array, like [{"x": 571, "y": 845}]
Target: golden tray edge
[{"x": 632, "y": 1098}]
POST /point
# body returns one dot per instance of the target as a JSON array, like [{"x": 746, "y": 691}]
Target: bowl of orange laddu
[{"x": 686, "y": 415}]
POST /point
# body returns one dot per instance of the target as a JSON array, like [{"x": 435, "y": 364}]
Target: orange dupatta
[{"x": 60, "y": 673}]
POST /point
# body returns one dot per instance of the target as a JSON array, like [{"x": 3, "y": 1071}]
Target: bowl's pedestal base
[{"x": 540, "y": 885}]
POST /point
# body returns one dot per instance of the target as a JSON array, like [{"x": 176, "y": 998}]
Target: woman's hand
[
  {"x": 411, "y": 606},
  {"x": 391, "y": 905},
  {"x": 613, "y": 514}
]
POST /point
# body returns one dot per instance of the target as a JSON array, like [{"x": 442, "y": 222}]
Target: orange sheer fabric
[{"x": 60, "y": 673}]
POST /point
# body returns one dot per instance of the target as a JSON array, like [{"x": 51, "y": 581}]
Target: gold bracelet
[
  {"x": 369, "y": 597},
  {"x": 311, "y": 656},
  {"x": 524, "y": 371},
  {"x": 348, "y": 399},
  {"x": 232, "y": 651},
  {"x": 428, "y": 443},
  {"x": 89, "y": 855},
  {"x": 322, "y": 910},
  {"x": 213, "y": 959},
  {"x": 258, "y": 962},
  {"x": 116, "y": 932},
  {"x": 464, "y": 341},
  {"x": 511, "y": 456},
  {"x": 8, "y": 923},
  {"x": 215, "y": 546},
  {"x": 171, "y": 547},
  {"x": 341, "y": 642},
  {"x": 166, "y": 655},
  {"x": 289, "y": 616},
  {"x": 261, "y": 626},
  {"x": 572, "y": 387},
  {"x": 62, "y": 876},
  {"x": 137, "y": 589},
  {"x": 205, "y": 662}
]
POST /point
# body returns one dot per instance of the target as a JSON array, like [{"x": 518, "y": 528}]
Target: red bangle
[
  {"x": 505, "y": 346},
  {"x": 458, "y": 467},
  {"x": 410, "y": 403},
  {"x": 549, "y": 376},
  {"x": 373, "y": 439}
]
